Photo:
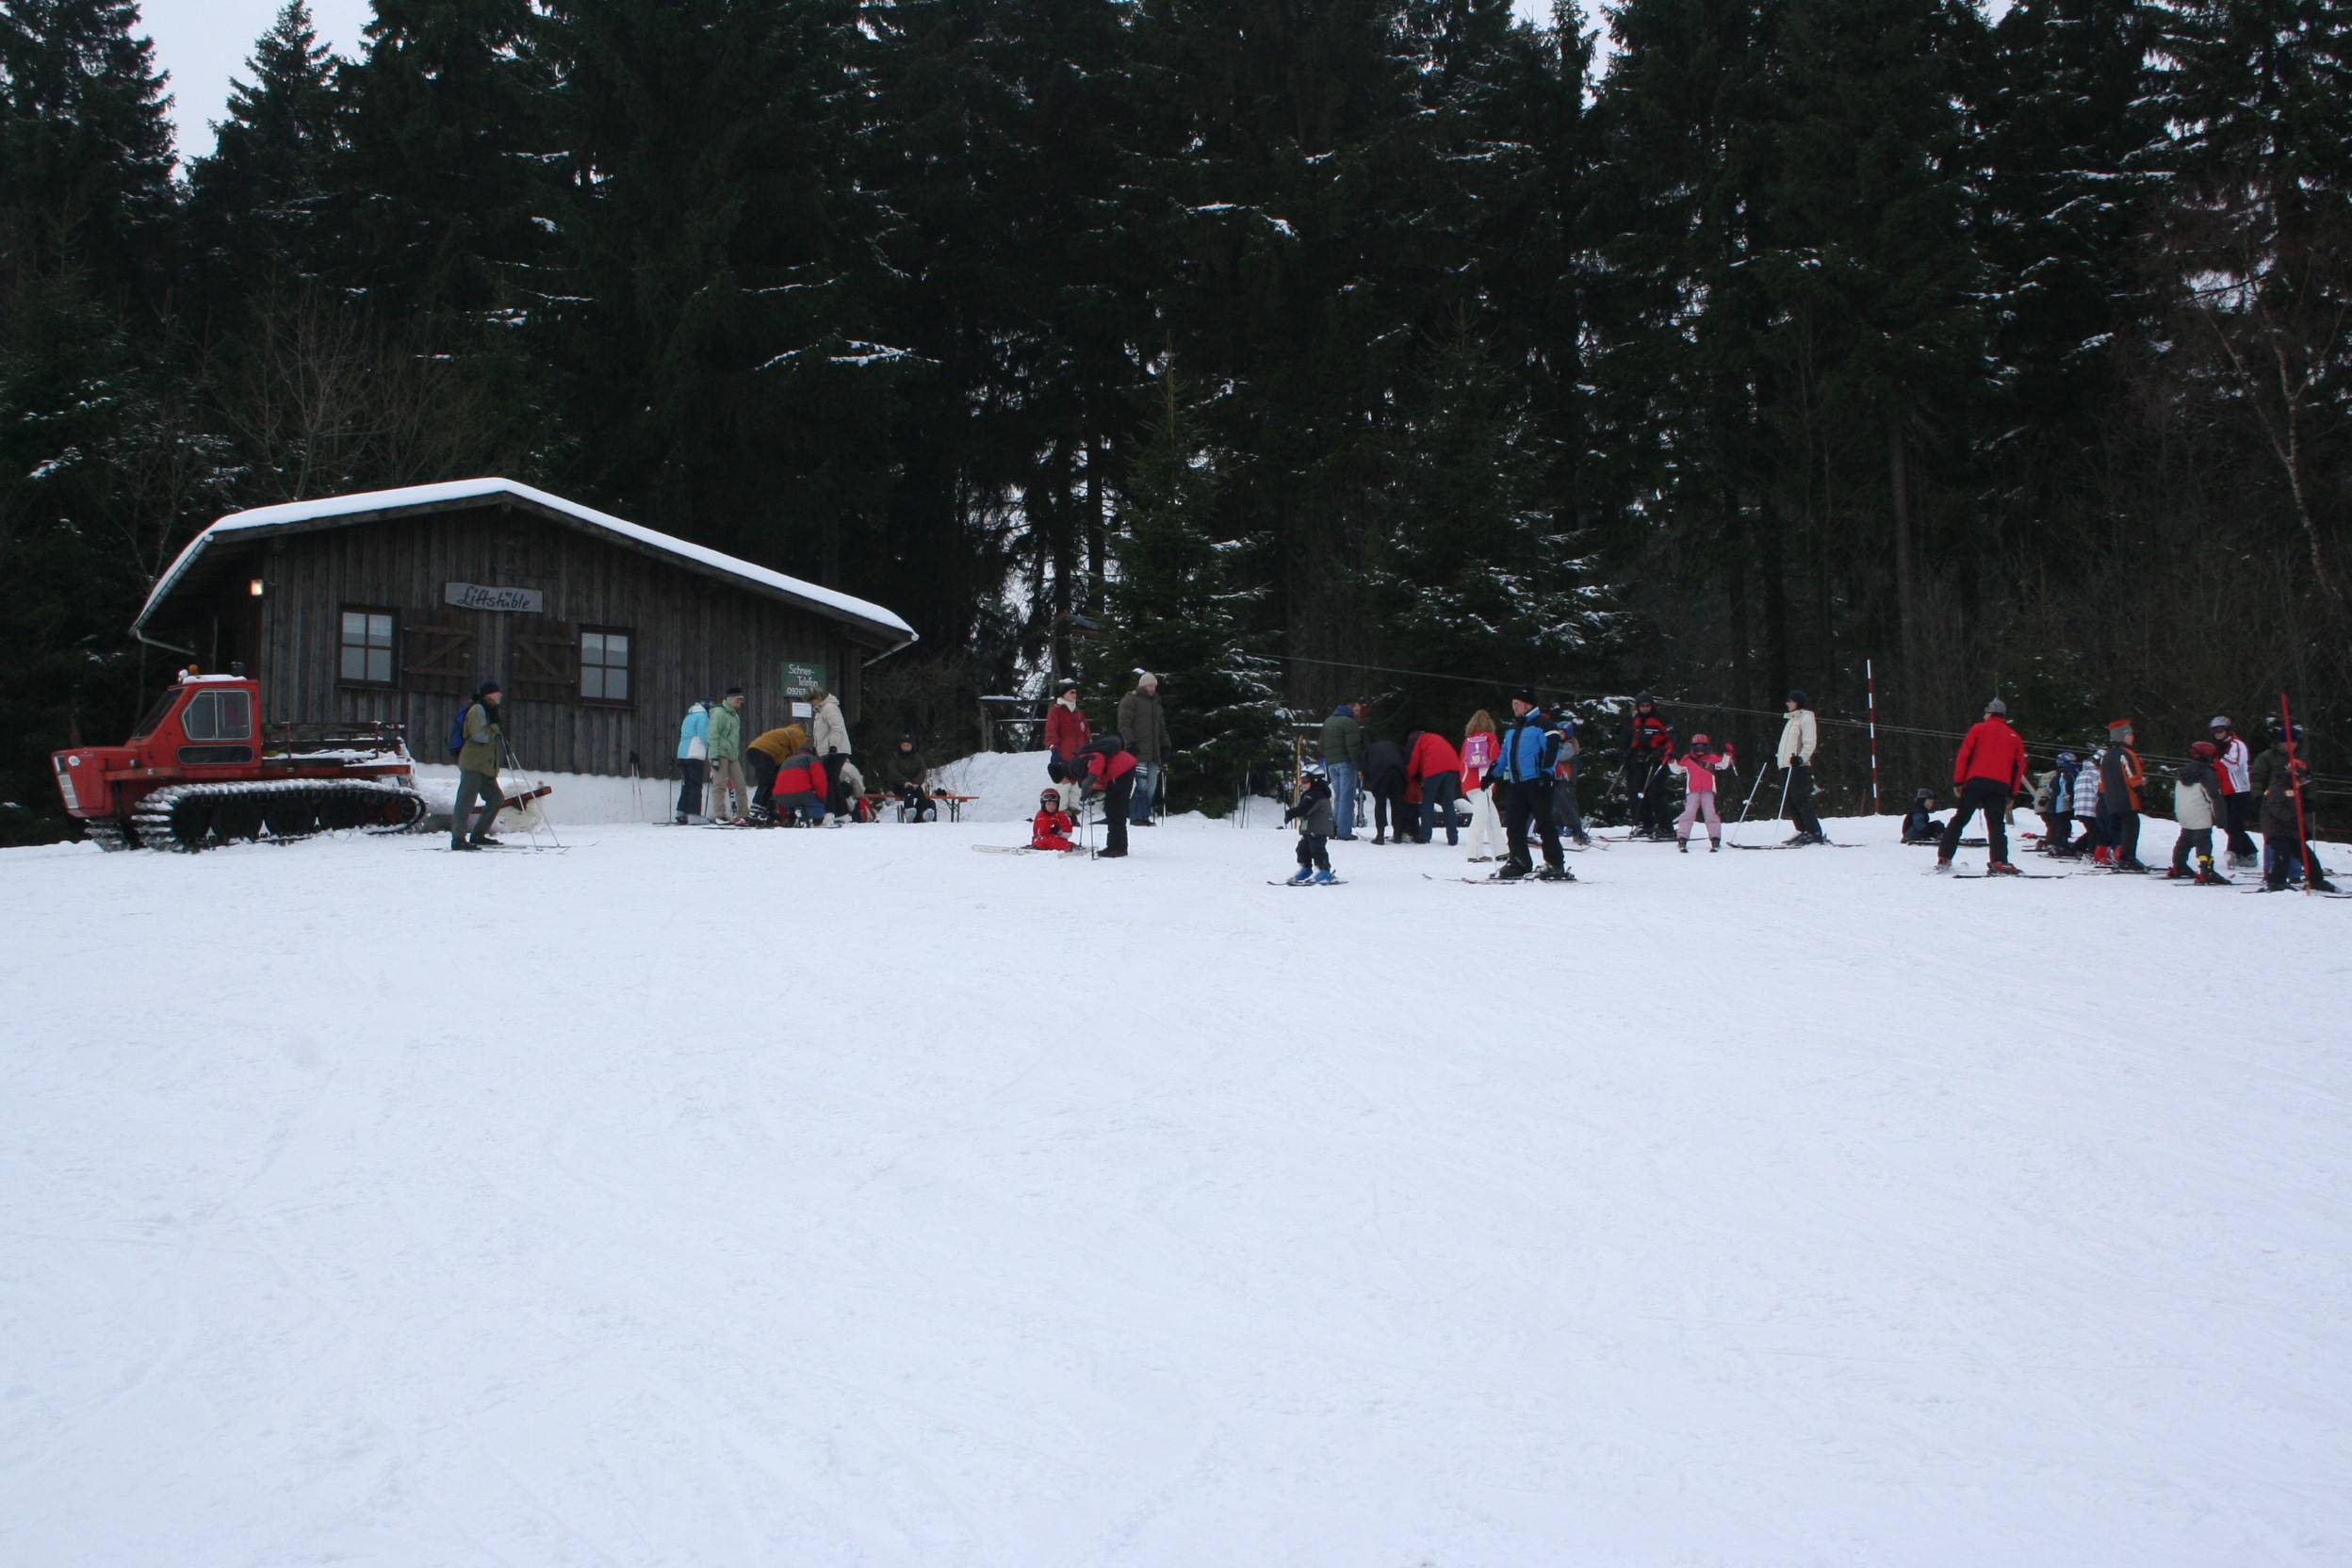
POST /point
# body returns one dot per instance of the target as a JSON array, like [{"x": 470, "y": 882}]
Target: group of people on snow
[
  {"x": 794, "y": 774},
  {"x": 2218, "y": 789},
  {"x": 1520, "y": 781}
]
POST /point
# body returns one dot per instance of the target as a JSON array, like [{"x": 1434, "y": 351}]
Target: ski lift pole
[
  {"x": 1869, "y": 680},
  {"x": 2294, "y": 788}
]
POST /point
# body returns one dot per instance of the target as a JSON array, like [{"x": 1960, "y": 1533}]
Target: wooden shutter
[
  {"x": 547, "y": 660},
  {"x": 440, "y": 658}
]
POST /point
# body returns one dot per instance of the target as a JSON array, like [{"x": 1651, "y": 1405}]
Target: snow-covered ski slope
[{"x": 848, "y": 1197}]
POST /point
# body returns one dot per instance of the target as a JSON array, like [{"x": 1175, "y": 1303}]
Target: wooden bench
[{"x": 955, "y": 804}]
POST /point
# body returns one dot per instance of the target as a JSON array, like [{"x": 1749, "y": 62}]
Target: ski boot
[
  {"x": 1682, "y": 845},
  {"x": 2001, "y": 868},
  {"x": 2102, "y": 856},
  {"x": 1323, "y": 879},
  {"x": 2175, "y": 874},
  {"x": 1943, "y": 865},
  {"x": 2206, "y": 875},
  {"x": 1555, "y": 873},
  {"x": 2319, "y": 883},
  {"x": 1303, "y": 876},
  {"x": 1511, "y": 871},
  {"x": 1714, "y": 846}
]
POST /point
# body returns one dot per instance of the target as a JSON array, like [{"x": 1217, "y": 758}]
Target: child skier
[
  {"x": 1919, "y": 825},
  {"x": 1050, "y": 828},
  {"x": 1313, "y": 816},
  {"x": 2195, "y": 804},
  {"x": 2055, "y": 800},
  {"x": 2086, "y": 809},
  {"x": 1698, "y": 767}
]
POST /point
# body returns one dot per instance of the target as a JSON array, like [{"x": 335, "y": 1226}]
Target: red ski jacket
[
  {"x": 1648, "y": 732},
  {"x": 1101, "y": 770},
  {"x": 1051, "y": 830},
  {"x": 1066, "y": 729},
  {"x": 801, "y": 776},
  {"x": 1432, "y": 755},
  {"x": 1991, "y": 750}
]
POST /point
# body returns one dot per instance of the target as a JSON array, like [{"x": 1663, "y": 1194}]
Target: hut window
[
  {"x": 364, "y": 654},
  {"x": 604, "y": 663}
]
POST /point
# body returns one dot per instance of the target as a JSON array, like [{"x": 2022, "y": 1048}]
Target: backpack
[{"x": 457, "y": 728}]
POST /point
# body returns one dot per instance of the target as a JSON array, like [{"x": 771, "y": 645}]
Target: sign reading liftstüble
[{"x": 475, "y": 596}]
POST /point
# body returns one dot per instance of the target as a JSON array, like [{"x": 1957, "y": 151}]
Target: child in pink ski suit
[{"x": 1698, "y": 766}]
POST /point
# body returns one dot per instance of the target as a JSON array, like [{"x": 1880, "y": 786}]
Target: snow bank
[{"x": 848, "y": 1197}]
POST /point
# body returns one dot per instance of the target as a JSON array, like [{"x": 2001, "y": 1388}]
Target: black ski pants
[
  {"x": 1389, "y": 810},
  {"x": 764, "y": 771},
  {"x": 1115, "y": 799},
  {"x": 1991, "y": 796},
  {"x": 1801, "y": 799},
  {"x": 1314, "y": 850},
  {"x": 2235, "y": 809},
  {"x": 689, "y": 770},
  {"x": 2123, "y": 832},
  {"x": 1645, "y": 778},
  {"x": 1531, "y": 801}
]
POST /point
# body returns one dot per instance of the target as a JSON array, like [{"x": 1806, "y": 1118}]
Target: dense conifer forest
[{"x": 1295, "y": 349}]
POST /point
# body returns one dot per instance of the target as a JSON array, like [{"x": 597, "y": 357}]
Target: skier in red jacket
[
  {"x": 1990, "y": 769},
  {"x": 1050, "y": 828}
]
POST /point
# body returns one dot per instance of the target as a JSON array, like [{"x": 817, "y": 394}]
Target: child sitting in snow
[
  {"x": 1313, "y": 816},
  {"x": 1919, "y": 825},
  {"x": 1698, "y": 767},
  {"x": 1050, "y": 828}
]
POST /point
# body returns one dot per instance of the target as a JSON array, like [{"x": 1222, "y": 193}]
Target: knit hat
[
  {"x": 1797, "y": 697},
  {"x": 2119, "y": 726},
  {"x": 734, "y": 691},
  {"x": 487, "y": 687},
  {"x": 1996, "y": 705},
  {"x": 1645, "y": 699},
  {"x": 1525, "y": 695}
]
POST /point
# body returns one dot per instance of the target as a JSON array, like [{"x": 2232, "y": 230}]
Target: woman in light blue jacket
[{"x": 694, "y": 758}]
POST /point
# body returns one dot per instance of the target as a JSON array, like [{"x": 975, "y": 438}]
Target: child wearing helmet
[
  {"x": 1050, "y": 828},
  {"x": 2054, "y": 797},
  {"x": 1698, "y": 766},
  {"x": 2196, "y": 807},
  {"x": 1313, "y": 813}
]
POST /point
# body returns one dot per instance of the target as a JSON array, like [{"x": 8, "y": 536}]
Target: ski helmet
[
  {"x": 1050, "y": 796},
  {"x": 1698, "y": 741},
  {"x": 2204, "y": 750},
  {"x": 1646, "y": 699},
  {"x": 2068, "y": 761},
  {"x": 2221, "y": 721},
  {"x": 1925, "y": 793}
]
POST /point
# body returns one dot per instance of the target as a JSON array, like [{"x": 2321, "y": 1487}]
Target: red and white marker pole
[{"x": 1869, "y": 679}]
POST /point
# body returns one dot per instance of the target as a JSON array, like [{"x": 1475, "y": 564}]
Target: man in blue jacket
[{"x": 1523, "y": 774}]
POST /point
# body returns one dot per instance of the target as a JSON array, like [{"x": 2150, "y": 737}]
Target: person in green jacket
[
  {"x": 731, "y": 796},
  {"x": 1342, "y": 762},
  {"x": 478, "y": 768}
]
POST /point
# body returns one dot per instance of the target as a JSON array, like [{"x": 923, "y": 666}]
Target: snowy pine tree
[{"x": 1182, "y": 600}]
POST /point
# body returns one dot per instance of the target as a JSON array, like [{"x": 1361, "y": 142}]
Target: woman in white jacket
[
  {"x": 1798, "y": 737},
  {"x": 828, "y": 737}
]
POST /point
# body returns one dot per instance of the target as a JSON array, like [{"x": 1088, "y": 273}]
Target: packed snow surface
[{"x": 698, "y": 1197}]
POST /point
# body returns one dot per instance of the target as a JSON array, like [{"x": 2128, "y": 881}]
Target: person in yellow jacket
[{"x": 764, "y": 755}]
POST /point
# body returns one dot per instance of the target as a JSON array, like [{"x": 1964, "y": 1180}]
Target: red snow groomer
[{"x": 203, "y": 770}]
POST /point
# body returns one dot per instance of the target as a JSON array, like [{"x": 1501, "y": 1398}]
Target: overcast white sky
[{"x": 204, "y": 42}]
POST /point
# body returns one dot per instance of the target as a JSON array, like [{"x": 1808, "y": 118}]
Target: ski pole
[{"x": 1746, "y": 804}]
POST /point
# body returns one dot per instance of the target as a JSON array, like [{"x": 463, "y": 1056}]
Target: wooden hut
[{"x": 392, "y": 605}]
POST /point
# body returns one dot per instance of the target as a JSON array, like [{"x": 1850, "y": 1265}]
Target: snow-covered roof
[{"x": 333, "y": 511}]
